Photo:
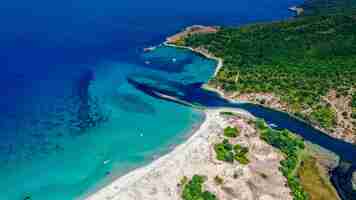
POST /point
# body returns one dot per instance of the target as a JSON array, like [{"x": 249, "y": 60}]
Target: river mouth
[{"x": 194, "y": 95}]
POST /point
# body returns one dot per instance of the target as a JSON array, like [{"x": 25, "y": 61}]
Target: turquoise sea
[
  {"x": 70, "y": 119},
  {"x": 65, "y": 165}
]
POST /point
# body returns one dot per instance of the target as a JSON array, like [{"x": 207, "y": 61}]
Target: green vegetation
[
  {"x": 228, "y": 153},
  {"x": 183, "y": 181},
  {"x": 326, "y": 116},
  {"x": 298, "y": 60},
  {"x": 353, "y": 100},
  {"x": 240, "y": 154},
  {"x": 218, "y": 180},
  {"x": 319, "y": 7},
  {"x": 291, "y": 146},
  {"x": 224, "y": 151},
  {"x": 193, "y": 190},
  {"x": 353, "y": 106},
  {"x": 227, "y": 113},
  {"x": 231, "y": 132},
  {"x": 317, "y": 186}
]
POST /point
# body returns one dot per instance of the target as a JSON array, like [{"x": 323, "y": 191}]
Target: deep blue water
[{"x": 69, "y": 117}]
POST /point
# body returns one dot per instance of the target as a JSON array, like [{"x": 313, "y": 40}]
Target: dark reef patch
[
  {"x": 89, "y": 113},
  {"x": 132, "y": 103}
]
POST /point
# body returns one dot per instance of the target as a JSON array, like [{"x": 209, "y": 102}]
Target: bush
[
  {"x": 228, "y": 153},
  {"x": 353, "y": 114},
  {"x": 193, "y": 190},
  {"x": 353, "y": 100},
  {"x": 231, "y": 132},
  {"x": 227, "y": 113},
  {"x": 218, "y": 180},
  {"x": 240, "y": 154},
  {"x": 325, "y": 116},
  {"x": 223, "y": 153}
]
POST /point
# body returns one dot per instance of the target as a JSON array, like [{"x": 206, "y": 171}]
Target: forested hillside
[{"x": 309, "y": 63}]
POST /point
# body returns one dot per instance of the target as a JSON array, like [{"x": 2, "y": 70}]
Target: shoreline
[
  {"x": 221, "y": 93},
  {"x": 219, "y": 65},
  {"x": 130, "y": 179},
  {"x": 161, "y": 152},
  {"x": 126, "y": 181},
  {"x": 205, "y": 54}
]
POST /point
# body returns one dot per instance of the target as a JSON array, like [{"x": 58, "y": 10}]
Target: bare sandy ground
[{"x": 259, "y": 180}]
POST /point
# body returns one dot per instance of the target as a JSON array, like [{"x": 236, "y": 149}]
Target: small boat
[
  {"x": 106, "y": 162},
  {"x": 148, "y": 49},
  {"x": 174, "y": 60},
  {"x": 147, "y": 62},
  {"x": 273, "y": 125}
]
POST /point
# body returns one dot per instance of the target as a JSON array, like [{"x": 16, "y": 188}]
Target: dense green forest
[
  {"x": 299, "y": 60},
  {"x": 319, "y": 7}
]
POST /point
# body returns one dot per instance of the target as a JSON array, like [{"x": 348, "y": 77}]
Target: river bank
[
  {"x": 269, "y": 100},
  {"x": 322, "y": 162}
]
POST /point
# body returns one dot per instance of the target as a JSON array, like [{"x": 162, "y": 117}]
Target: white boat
[
  {"x": 148, "y": 49},
  {"x": 273, "y": 125}
]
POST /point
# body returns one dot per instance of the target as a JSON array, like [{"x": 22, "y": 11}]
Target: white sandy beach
[{"x": 260, "y": 179}]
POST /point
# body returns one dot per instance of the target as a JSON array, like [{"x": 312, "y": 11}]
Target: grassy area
[
  {"x": 298, "y": 60},
  {"x": 317, "y": 187}
]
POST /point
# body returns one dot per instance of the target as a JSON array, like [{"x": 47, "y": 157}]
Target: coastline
[
  {"x": 205, "y": 54},
  {"x": 280, "y": 108},
  {"x": 329, "y": 171},
  {"x": 219, "y": 65},
  {"x": 127, "y": 182}
]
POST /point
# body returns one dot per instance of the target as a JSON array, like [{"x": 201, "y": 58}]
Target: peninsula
[{"x": 304, "y": 66}]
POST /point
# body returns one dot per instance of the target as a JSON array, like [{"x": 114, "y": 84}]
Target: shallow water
[{"x": 70, "y": 120}]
